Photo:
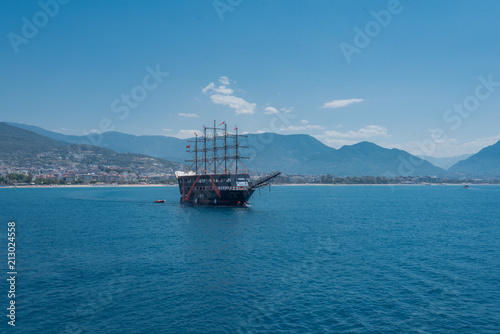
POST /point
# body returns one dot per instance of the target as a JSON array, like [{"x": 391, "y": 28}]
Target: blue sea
[{"x": 301, "y": 259}]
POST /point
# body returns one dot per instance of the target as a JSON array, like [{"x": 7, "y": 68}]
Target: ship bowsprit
[{"x": 265, "y": 181}]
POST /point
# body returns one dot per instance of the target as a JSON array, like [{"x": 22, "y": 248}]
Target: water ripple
[{"x": 301, "y": 259}]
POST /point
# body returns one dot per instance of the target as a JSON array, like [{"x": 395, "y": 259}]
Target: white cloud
[
  {"x": 222, "y": 89},
  {"x": 303, "y": 127},
  {"x": 239, "y": 105},
  {"x": 253, "y": 132},
  {"x": 304, "y": 121},
  {"x": 338, "y": 139},
  {"x": 167, "y": 130},
  {"x": 184, "y": 134},
  {"x": 340, "y": 103},
  {"x": 187, "y": 115},
  {"x": 208, "y": 88},
  {"x": 336, "y": 143},
  {"x": 270, "y": 110},
  {"x": 446, "y": 147},
  {"x": 224, "y": 80},
  {"x": 369, "y": 131},
  {"x": 223, "y": 95},
  {"x": 480, "y": 143}
]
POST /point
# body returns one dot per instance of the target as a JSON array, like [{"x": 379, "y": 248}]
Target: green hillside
[
  {"x": 485, "y": 163},
  {"x": 23, "y": 148},
  {"x": 295, "y": 154}
]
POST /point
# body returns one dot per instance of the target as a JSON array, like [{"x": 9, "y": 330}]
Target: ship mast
[
  {"x": 196, "y": 153},
  {"x": 210, "y": 153},
  {"x": 205, "y": 149},
  {"x": 225, "y": 147},
  {"x": 214, "y": 157},
  {"x": 236, "y": 151}
]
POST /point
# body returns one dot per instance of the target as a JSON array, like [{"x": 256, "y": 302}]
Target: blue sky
[{"x": 422, "y": 76}]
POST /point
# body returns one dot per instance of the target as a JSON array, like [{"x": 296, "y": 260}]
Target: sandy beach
[
  {"x": 274, "y": 185},
  {"x": 91, "y": 186}
]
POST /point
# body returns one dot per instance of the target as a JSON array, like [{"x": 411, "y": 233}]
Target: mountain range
[
  {"x": 296, "y": 154},
  {"x": 23, "y": 148},
  {"x": 484, "y": 163}
]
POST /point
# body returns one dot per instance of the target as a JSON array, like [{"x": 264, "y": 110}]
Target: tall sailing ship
[{"x": 217, "y": 175}]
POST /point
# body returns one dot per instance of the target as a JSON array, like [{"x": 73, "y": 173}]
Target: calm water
[{"x": 357, "y": 259}]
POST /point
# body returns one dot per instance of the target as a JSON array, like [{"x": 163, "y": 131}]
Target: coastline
[
  {"x": 89, "y": 186},
  {"x": 382, "y": 184},
  {"x": 274, "y": 185}
]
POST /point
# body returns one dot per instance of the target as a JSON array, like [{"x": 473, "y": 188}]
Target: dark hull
[
  {"x": 215, "y": 190},
  {"x": 227, "y": 198}
]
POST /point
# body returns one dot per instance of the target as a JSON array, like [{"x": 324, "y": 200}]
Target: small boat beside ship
[{"x": 217, "y": 177}]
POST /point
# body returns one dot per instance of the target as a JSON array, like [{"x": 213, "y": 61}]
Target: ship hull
[
  {"x": 215, "y": 190},
  {"x": 227, "y": 198}
]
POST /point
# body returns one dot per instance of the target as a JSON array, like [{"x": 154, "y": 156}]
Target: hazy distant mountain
[
  {"x": 366, "y": 158},
  {"x": 24, "y": 148},
  {"x": 303, "y": 154},
  {"x": 50, "y": 134},
  {"x": 445, "y": 162},
  {"x": 299, "y": 154},
  {"x": 170, "y": 148},
  {"x": 485, "y": 163},
  {"x": 289, "y": 153}
]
